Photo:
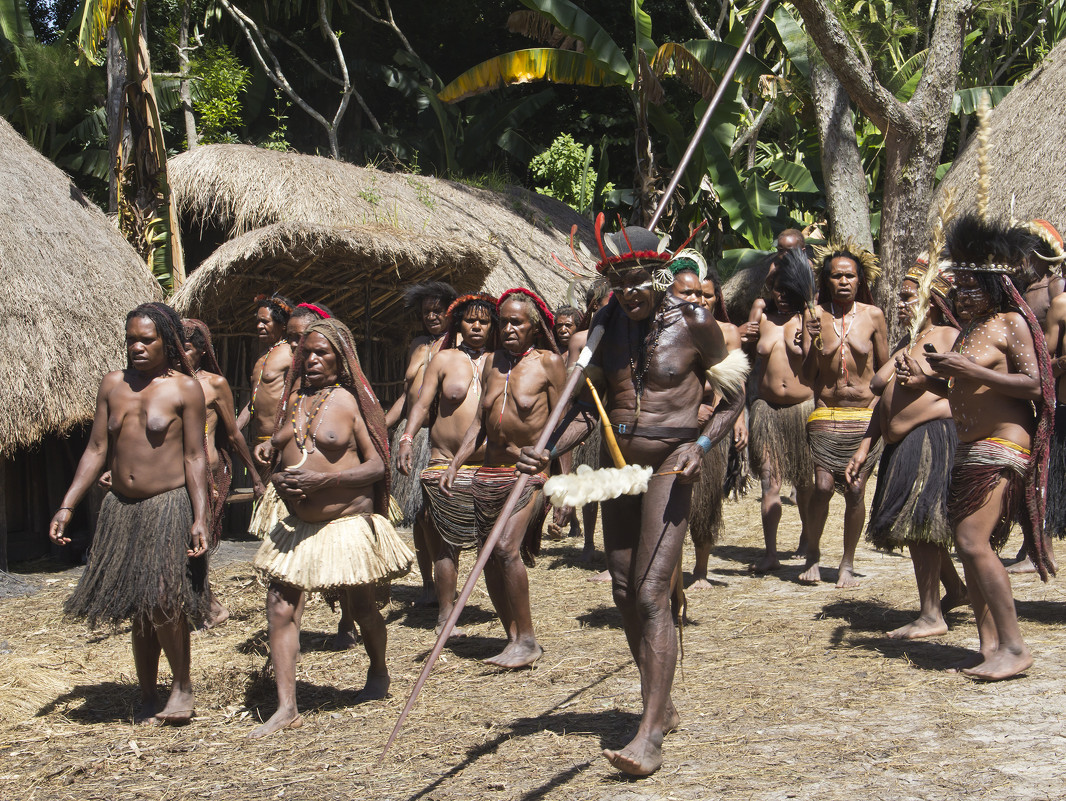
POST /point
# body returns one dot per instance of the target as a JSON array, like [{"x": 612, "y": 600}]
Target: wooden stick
[
  {"x": 608, "y": 432},
  {"x": 591, "y": 345}
]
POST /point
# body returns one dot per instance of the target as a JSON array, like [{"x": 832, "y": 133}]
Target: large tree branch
[
  {"x": 390, "y": 23},
  {"x": 701, "y": 23},
  {"x": 937, "y": 84},
  {"x": 857, "y": 76}
]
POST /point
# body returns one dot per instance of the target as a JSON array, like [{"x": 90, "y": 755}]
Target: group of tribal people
[{"x": 961, "y": 423}]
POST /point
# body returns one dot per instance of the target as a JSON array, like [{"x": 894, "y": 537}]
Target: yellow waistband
[
  {"x": 446, "y": 465},
  {"x": 840, "y": 413},
  {"x": 1006, "y": 443}
]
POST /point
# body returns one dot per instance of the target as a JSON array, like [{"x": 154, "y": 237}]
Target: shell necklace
[{"x": 302, "y": 431}]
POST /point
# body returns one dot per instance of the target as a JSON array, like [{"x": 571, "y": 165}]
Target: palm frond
[{"x": 525, "y": 66}]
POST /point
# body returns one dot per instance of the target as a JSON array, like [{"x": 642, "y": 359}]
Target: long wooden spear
[{"x": 591, "y": 346}]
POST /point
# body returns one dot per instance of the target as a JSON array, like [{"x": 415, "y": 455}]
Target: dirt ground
[{"x": 785, "y": 691}]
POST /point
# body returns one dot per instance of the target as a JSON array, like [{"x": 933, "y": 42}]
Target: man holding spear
[{"x": 658, "y": 351}]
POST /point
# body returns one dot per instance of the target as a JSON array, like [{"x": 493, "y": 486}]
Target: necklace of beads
[
  {"x": 255, "y": 389},
  {"x": 842, "y": 332},
  {"x": 507, "y": 383},
  {"x": 318, "y": 409},
  {"x": 475, "y": 357},
  {"x": 639, "y": 365}
]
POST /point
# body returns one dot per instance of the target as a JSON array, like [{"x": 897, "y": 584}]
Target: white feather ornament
[
  {"x": 729, "y": 375},
  {"x": 589, "y": 486}
]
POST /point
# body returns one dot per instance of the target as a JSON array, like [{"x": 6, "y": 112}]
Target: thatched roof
[
  {"x": 239, "y": 188},
  {"x": 68, "y": 280},
  {"x": 328, "y": 264},
  {"x": 1025, "y": 148}
]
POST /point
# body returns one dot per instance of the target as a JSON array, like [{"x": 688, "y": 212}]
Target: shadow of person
[{"x": 104, "y": 702}]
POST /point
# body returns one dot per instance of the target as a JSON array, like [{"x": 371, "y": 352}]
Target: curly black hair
[
  {"x": 575, "y": 314},
  {"x": 414, "y": 296},
  {"x": 303, "y": 310},
  {"x": 280, "y": 307},
  {"x": 169, "y": 328}
]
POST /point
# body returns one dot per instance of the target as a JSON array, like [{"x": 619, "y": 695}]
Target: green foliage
[
  {"x": 563, "y": 172},
  {"x": 278, "y": 138},
  {"x": 58, "y": 92},
  {"x": 224, "y": 79}
]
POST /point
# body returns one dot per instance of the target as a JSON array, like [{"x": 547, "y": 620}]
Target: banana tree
[
  {"x": 146, "y": 215},
  {"x": 583, "y": 53}
]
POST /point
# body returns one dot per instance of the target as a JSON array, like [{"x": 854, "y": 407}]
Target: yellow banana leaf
[
  {"x": 524, "y": 66},
  {"x": 675, "y": 59},
  {"x": 96, "y": 19}
]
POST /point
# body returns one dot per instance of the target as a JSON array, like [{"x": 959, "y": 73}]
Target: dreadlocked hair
[
  {"x": 415, "y": 296},
  {"x": 316, "y": 311},
  {"x": 198, "y": 335},
  {"x": 280, "y": 307},
  {"x": 481, "y": 301},
  {"x": 168, "y": 327},
  {"x": 349, "y": 376}
]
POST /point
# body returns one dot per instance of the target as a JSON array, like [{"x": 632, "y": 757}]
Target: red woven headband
[
  {"x": 542, "y": 307},
  {"x": 313, "y": 308}
]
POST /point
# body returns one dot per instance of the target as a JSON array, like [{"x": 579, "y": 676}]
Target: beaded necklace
[
  {"x": 475, "y": 365},
  {"x": 507, "y": 383},
  {"x": 255, "y": 389},
  {"x": 639, "y": 366},
  {"x": 321, "y": 403},
  {"x": 842, "y": 332}
]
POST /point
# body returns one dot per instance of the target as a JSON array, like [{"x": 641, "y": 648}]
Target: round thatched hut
[
  {"x": 1025, "y": 151},
  {"x": 352, "y": 238},
  {"x": 69, "y": 278}
]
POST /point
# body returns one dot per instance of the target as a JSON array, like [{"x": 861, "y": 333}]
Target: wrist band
[
  {"x": 68, "y": 508},
  {"x": 407, "y": 438},
  {"x": 705, "y": 443}
]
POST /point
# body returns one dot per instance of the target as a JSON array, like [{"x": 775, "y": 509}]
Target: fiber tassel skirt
[
  {"x": 1055, "y": 519},
  {"x": 346, "y": 552},
  {"x": 834, "y": 434},
  {"x": 138, "y": 562},
  {"x": 266, "y": 512},
  {"x": 453, "y": 517},
  {"x": 911, "y": 500},
  {"x": 407, "y": 490},
  {"x": 777, "y": 442},
  {"x": 705, "y": 516}
]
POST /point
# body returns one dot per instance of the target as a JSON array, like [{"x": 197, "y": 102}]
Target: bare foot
[
  {"x": 1023, "y": 566},
  {"x": 376, "y": 688},
  {"x": 587, "y": 555},
  {"x": 282, "y": 719},
  {"x": 972, "y": 659},
  {"x": 216, "y": 615},
  {"x": 700, "y": 583},
  {"x": 146, "y": 714},
  {"x": 640, "y": 758},
  {"x": 1001, "y": 665},
  {"x": 427, "y": 598},
  {"x": 456, "y": 632},
  {"x": 517, "y": 655},
  {"x": 811, "y": 574},
  {"x": 953, "y": 600},
  {"x": 554, "y": 532},
  {"x": 345, "y": 640},
  {"x": 922, "y": 627},
  {"x": 671, "y": 720},
  {"x": 767, "y": 564},
  {"x": 846, "y": 578},
  {"x": 179, "y": 708},
  {"x": 603, "y": 576}
]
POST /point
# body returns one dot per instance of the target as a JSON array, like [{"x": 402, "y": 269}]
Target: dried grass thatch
[
  {"x": 1025, "y": 151},
  {"x": 239, "y": 188},
  {"x": 68, "y": 280}
]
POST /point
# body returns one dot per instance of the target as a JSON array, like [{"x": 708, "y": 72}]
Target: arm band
[{"x": 705, "y": 443}]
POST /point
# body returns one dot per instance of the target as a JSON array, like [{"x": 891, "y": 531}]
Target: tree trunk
[
  {"x": 847, "y": 200},
  {"x": 116, "y": 82},
  {"x": 184, "y": 85}
]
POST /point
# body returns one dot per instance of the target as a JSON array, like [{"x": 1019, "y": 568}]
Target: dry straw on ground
[
  {"x": 786, "y": 691},
  {"x": 68, "y": 280}
]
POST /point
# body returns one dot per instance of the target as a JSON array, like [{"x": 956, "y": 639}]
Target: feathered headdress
[
  {"x": 868, "y": 263},
  {"x": 1051, "y": 237},
  {"x": 795, "y": 277}
]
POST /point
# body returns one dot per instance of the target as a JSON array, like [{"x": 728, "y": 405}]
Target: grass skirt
[
  {"x": 267, "y": 511},
  {"x": 221, "y": 478},
  {"x": 705, "y": 516},
  {"x": 1055, "y": 520},
  {"x": 407, "y": 490},
  {"x": 979, "y": 466},
  {"x": 138, "y": 562},
  {"x": 777, "y": 442},
  {"x": 490, "y": 489},
  {"x": 911, "y": 500},
  {"x": 588, "y": 451},
  {"x": 346, "y": 552},
  {"x": 834, "y": 434},
  {"x": 453, "y": 517}
]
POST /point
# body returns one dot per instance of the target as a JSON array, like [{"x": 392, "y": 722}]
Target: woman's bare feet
[
  {"x": 146, "y": 714},
  {"x": 810, "y": 574},
  {"x": 971, "y": 659},
  {"x": 376, "y": 688},
  {"x": 517, "y": 655},
  {"x": 216, "y": 615},
  {"x": 284, "y": 718},
  {"x": 846, "y": 577},
  {"x": 642, "y": 757},
  {"x": 953, "y": 600},
  {"x": 343, "y": 640},
  {"x": 767, "y": 564},
  {"x": 671, "y": 720},
  {"x": 179, "y": 708},
  {"x": 604, "y": 575},
  {"x": 1001, "y": 665},
  {"x": 456, "y": 632},
  {"x": 922, "y": 627},
  {"x": 700, "y": 583}
]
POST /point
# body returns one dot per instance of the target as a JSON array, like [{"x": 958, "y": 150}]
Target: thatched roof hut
[
  {"x": 69, "y": 278},
  {"x": 1025, "y": 151},
  {"x": 236, "y": 189}
]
